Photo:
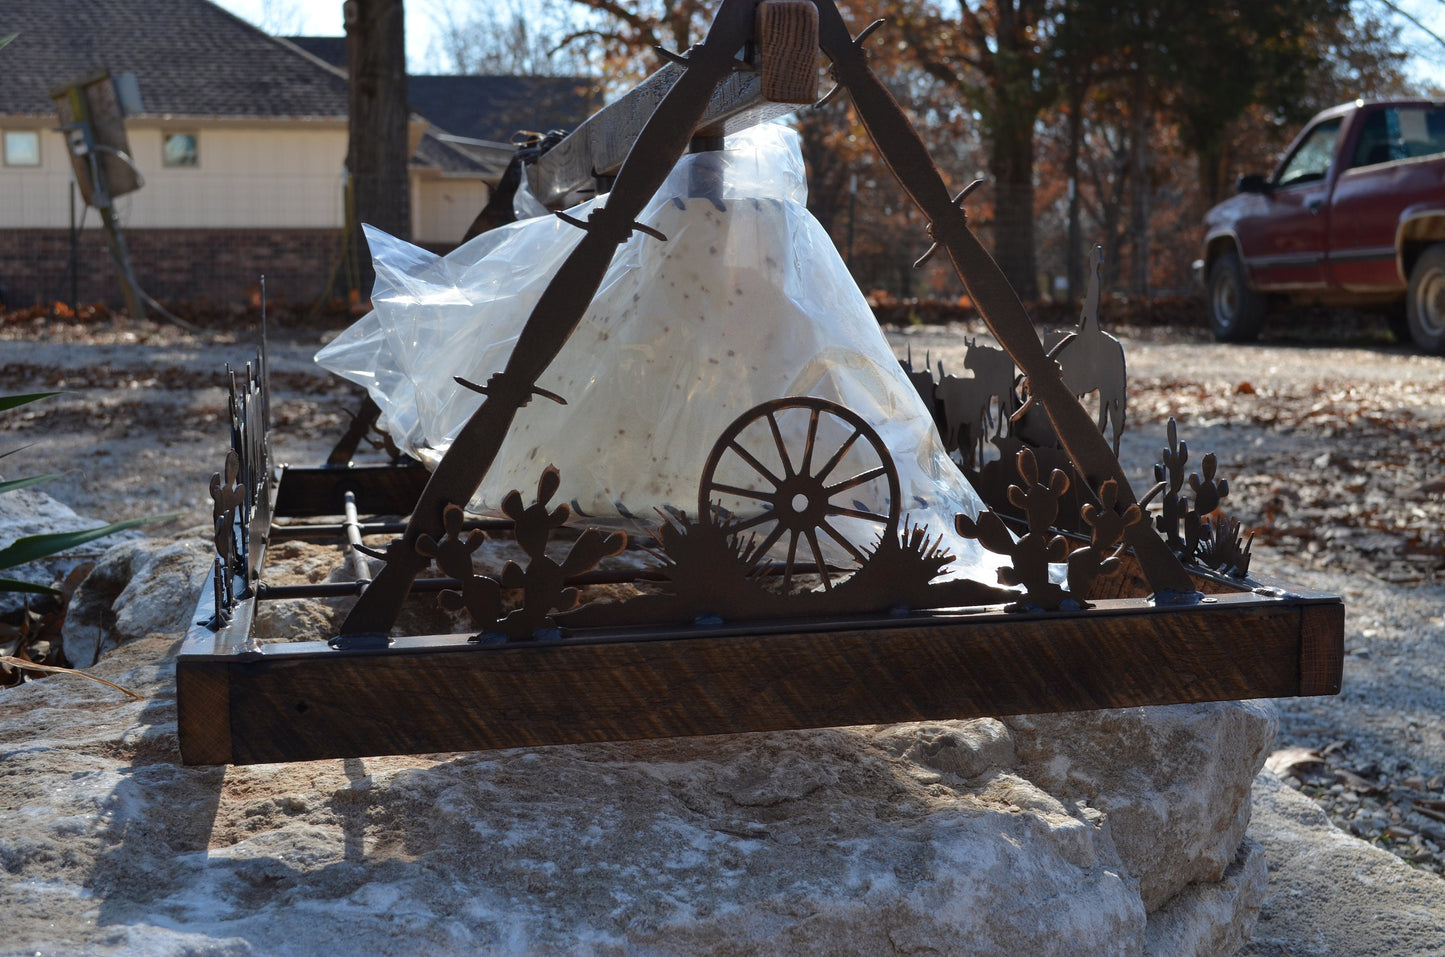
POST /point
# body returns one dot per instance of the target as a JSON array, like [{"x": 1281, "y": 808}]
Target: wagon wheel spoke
[
  {"x": 752, "y": 460},
  {"x": 818, "y": 557},
  {"x": 762, "y": 553},
  {"x": 788, "y": 566},
  {"x": 832, "y": 463},
  {"x": 769, "y": 497},
  {"x": 782, "y": 446},
  {"x": 810, "y": 442},
  {"x": 753, "y": 522},
  {"x": 862, "y": 478},
  {"x": 852, "y": 549},
  {"x": 858, "y": 513}
]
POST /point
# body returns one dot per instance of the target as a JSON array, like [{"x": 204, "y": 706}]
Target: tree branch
[{"x": 1397, "y": 10}]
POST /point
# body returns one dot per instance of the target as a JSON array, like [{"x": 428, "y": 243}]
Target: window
[
  {"x": 179, "y": 149},
  {"x": 22, "y": 148},
  {"x": 1311, "y": 162},
  {"x": 1397, "y": 133}
]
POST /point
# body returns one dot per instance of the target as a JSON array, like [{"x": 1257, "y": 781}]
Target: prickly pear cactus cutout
[
  {"x": 1107, "y": 526},
  {"x": 1038, "y": 548},
  {"x": 480, "y": 596},
  {"x": 1208, "y": 493},
  {"x": 543, "y": 580}
]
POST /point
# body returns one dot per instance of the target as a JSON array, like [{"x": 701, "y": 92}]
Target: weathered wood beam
[{"x": 308, "y": 701}]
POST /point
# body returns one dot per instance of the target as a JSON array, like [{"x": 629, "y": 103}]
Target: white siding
[
  {"x": 257, "y": 177},
  {"x": 442, "y": 209}
]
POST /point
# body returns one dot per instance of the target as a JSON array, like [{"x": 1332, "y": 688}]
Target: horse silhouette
[{"x": 1091, "y": 359}]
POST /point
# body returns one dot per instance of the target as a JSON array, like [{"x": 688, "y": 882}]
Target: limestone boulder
[
  {"x": 1331, "y": 894},
  {"x": 1113, "y": 833},
  {"x": 1173, "y": 783},
  {"x": 923, "y": 838},
  {"x": 138, "y": 588}
]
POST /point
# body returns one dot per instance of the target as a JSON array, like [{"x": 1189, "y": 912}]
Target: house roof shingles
[
  {"x": 192, "y": 59},
  {"x": 490, "y": 107}
]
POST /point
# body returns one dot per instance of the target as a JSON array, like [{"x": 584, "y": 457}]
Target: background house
[{"x": 241, "y": 139}]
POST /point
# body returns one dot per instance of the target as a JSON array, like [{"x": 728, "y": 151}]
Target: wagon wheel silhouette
[{"x": 798, "y": 483}]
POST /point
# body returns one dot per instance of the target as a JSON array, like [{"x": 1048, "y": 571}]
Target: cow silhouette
[{"x": 976, "y": 408}]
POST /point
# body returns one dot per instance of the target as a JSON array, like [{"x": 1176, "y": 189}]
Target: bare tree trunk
[
  {"x": 1140, "y": 188},
  {"x": 1012, "y": 166},
  {"x": 1011, "y": 158},
  {"x": 377, "y": 150},
  {"x": 1072, "y": 255}
]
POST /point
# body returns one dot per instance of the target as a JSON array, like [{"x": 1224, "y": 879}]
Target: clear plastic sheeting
[{"x": 747, "y": 301}]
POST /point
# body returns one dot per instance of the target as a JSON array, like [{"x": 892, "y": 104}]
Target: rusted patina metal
[
  {"x": 1189, "y": 517},
  {"x": 721, "y": 634},
  {"x": 901, "y": 147},
  {"x": 662, "y": 140},
  {"x": 806, "y": 498},
  {"x": 239, "y": 492}
]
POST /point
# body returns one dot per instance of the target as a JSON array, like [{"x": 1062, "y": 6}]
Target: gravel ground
[{"x": 1333, "y": 452}]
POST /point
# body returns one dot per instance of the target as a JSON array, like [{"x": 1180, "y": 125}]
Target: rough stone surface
[
  {"x": 1214, "y": 918},
  {"x": 925, "y": 838},
  {"x": 1175, "y": 791},
  {"x": 1331, "y": 894},
  {"x": 144, "y": 587}
]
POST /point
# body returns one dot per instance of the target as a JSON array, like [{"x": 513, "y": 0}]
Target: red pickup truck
[{"x": 1354, "y": 215}]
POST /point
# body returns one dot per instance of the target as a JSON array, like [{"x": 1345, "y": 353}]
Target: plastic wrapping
[{"x": 747, "y": 301}]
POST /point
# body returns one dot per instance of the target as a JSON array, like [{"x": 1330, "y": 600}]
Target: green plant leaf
[
  {"x": 5, "y": 40},
  {"x": 15, "y": 585},
  {"x": 34, "y": 547},
  {"x": 13, "y": 484},
  {"x": 8, "y": 402}
]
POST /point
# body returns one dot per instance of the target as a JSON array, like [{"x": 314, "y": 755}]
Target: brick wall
[{"x": 217, "y": 265}]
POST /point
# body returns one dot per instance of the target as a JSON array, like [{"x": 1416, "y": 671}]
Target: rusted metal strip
[
  {"x": 906, "y": 155},
  {"x": 663, "y": 139}
]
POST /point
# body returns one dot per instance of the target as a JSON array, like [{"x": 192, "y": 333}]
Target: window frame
[
  {"x": 5, "y": 149},
  {"x": 194, "y": 153},
  {"x": 1311, "y": 140}
]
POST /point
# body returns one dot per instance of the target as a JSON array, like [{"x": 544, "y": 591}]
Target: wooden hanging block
[{"x": 787, "y": 37}]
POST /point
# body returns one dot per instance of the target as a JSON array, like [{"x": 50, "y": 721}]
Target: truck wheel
[
  {"x": 1235, "y": 311},
  {"x": 1425, "y": 302}
]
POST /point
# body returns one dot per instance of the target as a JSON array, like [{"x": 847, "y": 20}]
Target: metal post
[
  {"x": 74, "y": 255},
  {"x": 122, "y": 261}
]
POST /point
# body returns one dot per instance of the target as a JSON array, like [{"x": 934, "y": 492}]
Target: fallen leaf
[
  {"x": 1288, "y": 760},
  {"x": 1356, "y": 783},
  {"x": 24, "y": 665}
]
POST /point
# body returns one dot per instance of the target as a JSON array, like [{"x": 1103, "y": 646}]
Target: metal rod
[
  {"x": 281, "y": 533},
  {"x": 355, "y": 560},
  {"x": 268, "y": 592}
]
